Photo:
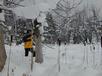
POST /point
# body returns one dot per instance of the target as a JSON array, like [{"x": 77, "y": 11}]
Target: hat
[{"x": 28, "y": 31}]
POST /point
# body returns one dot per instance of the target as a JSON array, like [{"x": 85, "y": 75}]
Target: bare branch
[
  {"x": 15, "y": 3},
  {"x": 57, "y": 13}
]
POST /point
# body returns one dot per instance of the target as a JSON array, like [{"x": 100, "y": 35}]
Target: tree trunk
[
  {"x": 38, "y": 50},
  {"x": 3, "y": 55}
]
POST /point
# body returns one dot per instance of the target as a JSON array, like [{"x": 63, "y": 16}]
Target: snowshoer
[
  {"x": 28, "y": 43},
  {"x": 58, "y": 41}
]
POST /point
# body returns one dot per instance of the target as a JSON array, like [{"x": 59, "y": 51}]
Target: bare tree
[
  {"x": 63, "y": 14},
  {"x": 12, "y": 3},
  {"x": 95, "y": 21}
]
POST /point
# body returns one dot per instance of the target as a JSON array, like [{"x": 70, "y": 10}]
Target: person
[
  {"x": 28, "y": 43},
  {"x": 59, "y": 41},
  {"x": 65, "y": 43}
]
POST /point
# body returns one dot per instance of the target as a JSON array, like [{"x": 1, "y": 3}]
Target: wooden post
[{"x": 9, "y": 55}]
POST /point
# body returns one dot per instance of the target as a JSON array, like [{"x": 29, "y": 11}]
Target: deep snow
[{"x": 73, "y": 61}]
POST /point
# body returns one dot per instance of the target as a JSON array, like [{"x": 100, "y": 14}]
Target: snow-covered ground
[{"x": 76, "y": 60}]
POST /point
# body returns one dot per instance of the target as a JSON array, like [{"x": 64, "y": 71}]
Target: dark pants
[{"x": 27, "y": 50}]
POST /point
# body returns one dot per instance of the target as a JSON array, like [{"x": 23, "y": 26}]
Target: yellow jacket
[{"x": 28, "y": 43}]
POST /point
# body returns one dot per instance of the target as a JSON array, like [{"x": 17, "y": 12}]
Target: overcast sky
[
  {"x": 52, "y": 4},
  {"x": 97, "y": 3}
]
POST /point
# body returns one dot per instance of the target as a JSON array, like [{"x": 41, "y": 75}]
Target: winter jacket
[{"x": 27, "y": 39}]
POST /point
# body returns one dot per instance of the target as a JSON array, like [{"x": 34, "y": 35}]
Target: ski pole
[
  {"x": 59, "y": 43},
  {"x": 32, "y": 49},
  {"x": 84, "y": 55},
  {"x": 11, "y": 37},
  {"x": 87, "y": 56},
  {"x": 59, "y": 58},
  {"x": 65, "y": 54}
]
